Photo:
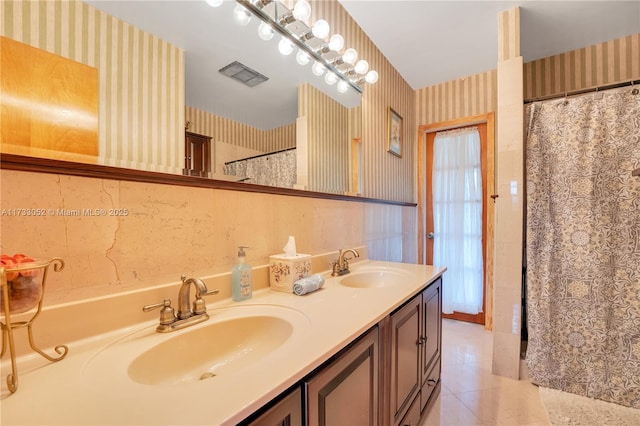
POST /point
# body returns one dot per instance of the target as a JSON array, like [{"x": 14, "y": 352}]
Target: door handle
[{"x": 431, "y": 236}]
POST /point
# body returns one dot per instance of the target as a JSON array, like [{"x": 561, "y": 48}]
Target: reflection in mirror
[{"x": 252, "y": 120}]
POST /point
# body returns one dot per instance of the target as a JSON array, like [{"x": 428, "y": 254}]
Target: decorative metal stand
[{"x": 21, "y": 297}]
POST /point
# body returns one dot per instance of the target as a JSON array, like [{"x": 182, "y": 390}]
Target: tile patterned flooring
[{"x": 470, "y": 394}]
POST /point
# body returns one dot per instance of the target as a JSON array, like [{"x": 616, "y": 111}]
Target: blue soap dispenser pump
[{"x": 241, "y": 285}]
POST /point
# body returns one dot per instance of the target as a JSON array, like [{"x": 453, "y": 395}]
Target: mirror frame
[{"x": 46, "y": 165}]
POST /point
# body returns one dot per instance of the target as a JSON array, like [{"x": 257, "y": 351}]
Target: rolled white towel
[{"x": 308, "y": 284}]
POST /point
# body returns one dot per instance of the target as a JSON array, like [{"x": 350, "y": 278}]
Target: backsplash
[{"x": 143, "y": 235}]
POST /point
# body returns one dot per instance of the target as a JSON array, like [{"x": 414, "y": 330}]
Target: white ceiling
[{"x": 428, "y": 42}]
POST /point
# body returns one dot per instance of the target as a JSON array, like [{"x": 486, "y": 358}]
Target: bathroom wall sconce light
[{"x": 310, "y": 40}]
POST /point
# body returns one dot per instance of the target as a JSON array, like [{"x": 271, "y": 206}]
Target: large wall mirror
[{"x": 292, "y": 108}]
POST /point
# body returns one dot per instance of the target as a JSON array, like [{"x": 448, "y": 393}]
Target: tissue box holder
[{"x": 286, "y": 270}]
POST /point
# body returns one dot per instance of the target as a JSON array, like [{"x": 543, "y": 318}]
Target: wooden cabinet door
[
  {"x": 346, "y": 391},
  {"x": 197, "y": 154},
  {"x": 405, "y": 358},
  {"x": 431, "y": 338},
  {"x": 431, "y": 326},
  {"x": 287, "y": 412}
]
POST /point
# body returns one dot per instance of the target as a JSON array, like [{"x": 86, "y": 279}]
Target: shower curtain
[{"x": 583, "y": 245}]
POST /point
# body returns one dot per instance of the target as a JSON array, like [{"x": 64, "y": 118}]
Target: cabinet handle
[
  {"x": 432, "y": 382},
  {"x": 421, "y": 341}
]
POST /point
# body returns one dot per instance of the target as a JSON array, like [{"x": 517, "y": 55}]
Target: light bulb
[
  {"x": 361, "y": 67},
  {"x": 265, "y": 32},
  {"x": 320, "y": 28},
  {"x": 336, "y": 42},
  {"x": 350, "y": 55},
  {"x": 214, "y": 3},
  {"x": 302, "y": 10},
  {"x": 371, "y": 77},
  {"x": 330, "y": 78},
  {"x": 343, "y": 86},
  {"x": 302, "y": 57},
  {"x": 241, "y": 15},
  {"x": 317, "y": 69},
  {"x": 285, "y": 47}
]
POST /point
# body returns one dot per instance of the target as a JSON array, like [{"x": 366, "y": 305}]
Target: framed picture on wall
[{"x": 394, "y": 145}]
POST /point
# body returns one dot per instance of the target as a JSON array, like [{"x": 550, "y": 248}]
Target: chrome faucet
[
  {"x": 341, "y": 266},
  {"x": 186, "y": 317}
]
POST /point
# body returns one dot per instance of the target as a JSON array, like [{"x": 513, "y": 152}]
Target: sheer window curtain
[{"x": 457, "y": 216}]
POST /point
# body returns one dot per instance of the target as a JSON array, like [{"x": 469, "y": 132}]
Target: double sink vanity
[{"x": 364, "y": 349}]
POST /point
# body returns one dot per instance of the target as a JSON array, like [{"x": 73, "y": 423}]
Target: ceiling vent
[{"x": 243, "y": 74}]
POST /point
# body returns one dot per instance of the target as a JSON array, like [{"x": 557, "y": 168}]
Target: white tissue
[{"x": 290, "y": 248}]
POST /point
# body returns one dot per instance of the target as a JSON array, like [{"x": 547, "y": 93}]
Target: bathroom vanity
[
  {"x": 388, "y": 376},
  {"x": 365, "y": 349}
]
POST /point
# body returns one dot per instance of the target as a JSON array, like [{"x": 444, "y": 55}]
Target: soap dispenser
[{"x": 241, "y": 278}]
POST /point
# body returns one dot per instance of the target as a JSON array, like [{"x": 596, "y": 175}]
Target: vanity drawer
[
  {"x": 412, "y": 418},
  {"x": 430, "y": 384}
]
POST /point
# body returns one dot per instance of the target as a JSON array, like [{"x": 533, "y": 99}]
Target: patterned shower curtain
[{"x": 583, "y": 245}]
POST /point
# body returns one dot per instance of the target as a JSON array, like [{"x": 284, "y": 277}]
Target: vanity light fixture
[
  {"x": 265, "y": 32},
  {"x": 318, "y": 69},
  {"x": 321, "y": 29},
  {"x": 330, "y": 78},
  {"x": 302, "y": 10},
  {"x": 336, "y": 42},
  {"x": 241, "y": 15},
  {"x": 284, "y": 46},
  {"x": 311, "y": 41},
  {"x": 302, "y": 57}
]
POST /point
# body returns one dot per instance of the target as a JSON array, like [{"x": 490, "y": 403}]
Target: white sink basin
[
  {"x": 375, "y": 279},
  {"x": 235, "y": 340},
  {"x": 217, "y": 348}
]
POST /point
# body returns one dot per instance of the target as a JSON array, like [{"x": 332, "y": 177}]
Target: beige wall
[{"x": 141, "y": 77}]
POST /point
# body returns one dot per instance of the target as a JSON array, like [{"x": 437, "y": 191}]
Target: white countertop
[{"x": 91, "y": 385}]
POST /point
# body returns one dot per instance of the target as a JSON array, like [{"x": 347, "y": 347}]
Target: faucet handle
[
  {"x": 167, "y": 315},
  {"x": 199, "y": 307}
]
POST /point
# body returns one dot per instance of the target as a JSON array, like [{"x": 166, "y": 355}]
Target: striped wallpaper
[
  {"x": 328, "y": 142},
  {"x": 222, "y": 129},
  {"x": 141, "y": 77},
  {"x": 464, "y": 97},
  {"x": 601, "y": 64},
  {"x": 384, "y": 175}
]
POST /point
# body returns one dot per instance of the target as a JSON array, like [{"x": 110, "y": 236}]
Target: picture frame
[{"x": 394, "y": 133}]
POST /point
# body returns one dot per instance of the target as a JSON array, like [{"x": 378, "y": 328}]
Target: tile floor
[{"x": 470, "y": 394}]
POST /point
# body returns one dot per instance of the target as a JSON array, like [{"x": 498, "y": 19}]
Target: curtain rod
[
  {"x": 583, "y": 91},
  {"x": 259, "y": 155}
]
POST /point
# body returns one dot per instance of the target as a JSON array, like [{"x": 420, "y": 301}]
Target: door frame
[{"x": 488, "y": 192}]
